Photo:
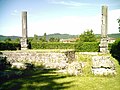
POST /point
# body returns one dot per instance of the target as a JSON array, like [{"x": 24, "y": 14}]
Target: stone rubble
[{"x": 64, "y": 61}]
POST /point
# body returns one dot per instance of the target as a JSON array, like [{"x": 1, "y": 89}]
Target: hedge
[
  {"x": 87, "y": 47},
  {"x": 52, "y": 45},
  {"x": 115, "y": 50},
  {"x": 9, "y": 46},
  {"x": 81, "y": 47}
]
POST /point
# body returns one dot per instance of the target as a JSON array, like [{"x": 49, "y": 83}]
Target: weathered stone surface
[
  {"x": 23, "y": 66},
  {"x": 74, "y": 68},
  {"x": 104, "y": 28},
  {"x": 102, "y": 61},
  {"x": 47, "y": 59},
  {"x": 24, "y": 41},
  {"x": 103, "y": 71},
  {"x": 102, "y": 65},
  {"x": 24, "y": 24},
  {"x": 19, "y": 65}
]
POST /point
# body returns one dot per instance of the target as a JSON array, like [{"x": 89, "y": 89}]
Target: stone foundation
[
  {"x": 102, "y": 65},
  {"x": 49, "y": 59}
]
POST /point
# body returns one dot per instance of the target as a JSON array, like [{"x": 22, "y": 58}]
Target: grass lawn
[{"x": 50, "y": 80}]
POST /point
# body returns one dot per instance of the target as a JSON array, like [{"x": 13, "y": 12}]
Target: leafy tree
[
  {"x": 52, "y": 39},
  {"x": 41, "y": 39},
  {"x": 118, "y": 23},
  {"x": 115, "y": 50},
  {"x": 88, "y": 36},
  {"x": 44, "y": 37},
  {"x": 17, "y": 40},
  {"x": 35, "y": 38},
  {"x": 30, "y": 39},
  {"x": 8, "y": 40}
]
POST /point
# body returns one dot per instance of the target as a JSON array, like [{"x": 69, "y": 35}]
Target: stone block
[
  {"x": 18, "y": 65},
  {"x": 102, "y": 65}
]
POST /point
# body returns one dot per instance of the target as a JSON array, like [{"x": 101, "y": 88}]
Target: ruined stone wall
[
  {"x": 102, "y": 65},
  {"x": 51, "y": 59}
]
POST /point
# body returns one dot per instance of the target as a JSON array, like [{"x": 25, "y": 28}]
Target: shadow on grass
[{"x": 45, "y": 79}]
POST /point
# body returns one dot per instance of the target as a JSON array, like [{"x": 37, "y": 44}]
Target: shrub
[
  {"x": 115, "y": 50},
  {"x": 52, "y": 45},
  {"x": 9, "y": 46},
  {"x": 87, "y": 46},
  {"x": 109, "y": 46},
  {"x": 4, "y": 63}
]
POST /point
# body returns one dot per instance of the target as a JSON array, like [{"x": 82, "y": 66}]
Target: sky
[{"x": 57, "y": 16}]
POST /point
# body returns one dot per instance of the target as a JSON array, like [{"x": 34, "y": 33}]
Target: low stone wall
[
  {"x": 49, "y": 59},
  {"x": 62, "y": 59},
  {"x": 102, "y": 65}
]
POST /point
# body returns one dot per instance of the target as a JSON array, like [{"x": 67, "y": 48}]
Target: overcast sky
[{"x": 57, "y": 16}]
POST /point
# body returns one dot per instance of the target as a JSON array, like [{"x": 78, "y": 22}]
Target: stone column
[
  {"x": 24, "y": 40},
  {"x": 104, "y": 27}
]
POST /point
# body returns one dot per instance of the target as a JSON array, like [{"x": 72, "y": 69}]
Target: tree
[
  {"x": 118, "y": 23},
  {"x": 30, "y": 39},
  {"x": 88, "y": 36},
  {"x": 44, "y": 37},
  {"x": 35, "y": 38},
  {"x": 52, "y": 39},
  {"x": 115, "y": 50},
  {"x": 8, "y": 39},
  {"x": 17, "y": 40}
]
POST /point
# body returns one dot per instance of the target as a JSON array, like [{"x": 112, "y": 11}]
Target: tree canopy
[
  {"x": 118, "y": 23},
  {"x": 52, "y": 39},
  {"x": 88, "y": 36}
]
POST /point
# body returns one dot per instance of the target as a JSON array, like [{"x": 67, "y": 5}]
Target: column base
[{"x": 24, "y": 44}]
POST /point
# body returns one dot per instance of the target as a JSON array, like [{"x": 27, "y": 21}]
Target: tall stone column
[
  {"x": 24, "y": 40},
  {"x": 104, "y": 28}
]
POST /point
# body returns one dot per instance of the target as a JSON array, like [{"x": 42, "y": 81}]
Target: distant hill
[
  {"x": 58, "y": 35},
  {"x": 61, "y": 36},
  {"x": 55, "y": 35},
  {"x": 115, "y": 35},
  {"x": 5, "y": 37}
]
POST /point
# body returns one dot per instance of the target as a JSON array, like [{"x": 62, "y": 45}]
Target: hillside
[
  {"x": 61, "y": 36},
  {"x": 117, "y": 35},
  {"x": 55, "y": 35},
  {"x": 5, "y": 37},
  {"x": 58, "y": 35}
]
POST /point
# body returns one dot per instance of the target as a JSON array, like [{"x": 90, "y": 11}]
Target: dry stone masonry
[
  {"x": 64, "y": 61},
  {"x": 102, "y": 65},
  {"x": 47, "y": 59},
  {"x": 74, "y": 68}
]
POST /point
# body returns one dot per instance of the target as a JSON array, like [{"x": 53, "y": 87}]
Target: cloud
[
  {"x": 74, "y": 24},
  {"x": 68, "y": 3},
  {"x": 66, "y": 24}
]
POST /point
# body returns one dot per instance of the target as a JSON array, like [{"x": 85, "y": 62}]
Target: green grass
[{"x": 50, "y": 80}]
